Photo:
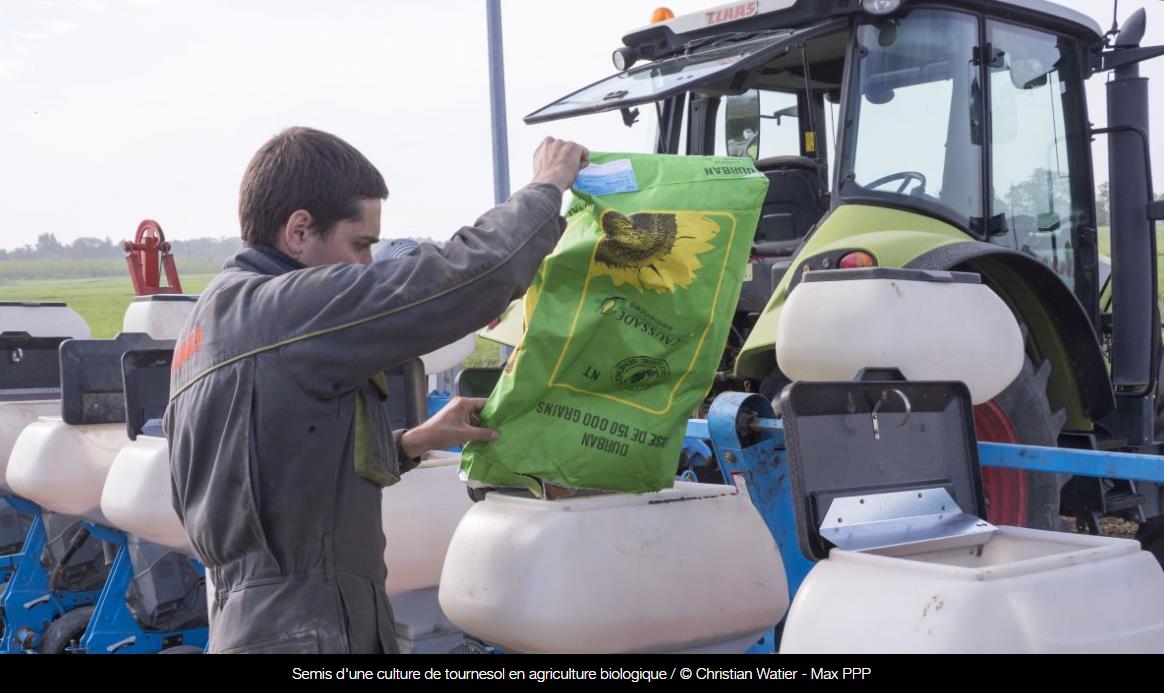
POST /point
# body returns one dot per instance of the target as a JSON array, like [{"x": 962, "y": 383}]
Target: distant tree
[
  {"x": 24, "y": 252},
  {"x": 1103, "y": 205},
  {"x": 89, "y": 247},
  {"x": 47, "y": 245},
  {"x": 207, "y": 247},
  {"x": 1037, "y": 194}
]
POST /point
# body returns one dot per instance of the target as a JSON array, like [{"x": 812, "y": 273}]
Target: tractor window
[
  {"x": 912, "y": 136},
  {"x": 1034, "y": 94}
]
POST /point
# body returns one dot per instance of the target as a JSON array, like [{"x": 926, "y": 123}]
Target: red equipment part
[
  {"x": 1006, "y": 489},
  {"x": 144, "y": 254}
]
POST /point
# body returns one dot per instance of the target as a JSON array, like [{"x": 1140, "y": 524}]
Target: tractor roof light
[
  {"x": 880, "y": 6},
  {"x": 662, "y": 14}
]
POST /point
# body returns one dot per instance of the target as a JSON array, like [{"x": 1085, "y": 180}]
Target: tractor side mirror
[{"x": 742, "y": 124}]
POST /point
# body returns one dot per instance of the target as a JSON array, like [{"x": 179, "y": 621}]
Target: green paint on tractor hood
[{"x": 894, "y": 237}]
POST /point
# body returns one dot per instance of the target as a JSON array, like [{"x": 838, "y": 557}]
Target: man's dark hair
[{"x": 302, "y": 168}]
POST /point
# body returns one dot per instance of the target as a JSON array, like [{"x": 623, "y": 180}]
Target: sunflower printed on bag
[{"x": 625, "y": 324}]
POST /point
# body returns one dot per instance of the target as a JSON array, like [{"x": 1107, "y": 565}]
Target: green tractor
[{"x": 942, "y": 135}]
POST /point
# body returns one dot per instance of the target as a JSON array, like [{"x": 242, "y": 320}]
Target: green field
[{"x": 102, "y": 302}]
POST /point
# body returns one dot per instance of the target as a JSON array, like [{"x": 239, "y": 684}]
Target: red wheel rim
[{"x": 1006, "y": 490}]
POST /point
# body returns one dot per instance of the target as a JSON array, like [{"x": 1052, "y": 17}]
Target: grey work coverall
[{"x": 263, "y": 427}]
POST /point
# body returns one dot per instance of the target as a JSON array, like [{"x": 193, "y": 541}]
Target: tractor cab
[{"x": 969, "y": 113}]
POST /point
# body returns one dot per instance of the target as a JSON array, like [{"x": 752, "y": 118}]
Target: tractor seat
[
  {"x": 776, "y": 248},
  {"x": 794, "y": 201},
  {"x": 773, "y": 163}
]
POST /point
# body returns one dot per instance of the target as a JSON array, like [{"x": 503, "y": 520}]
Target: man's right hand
[
  {"x": 557, "y": 162},
  {"x": 454, "y": 424}
]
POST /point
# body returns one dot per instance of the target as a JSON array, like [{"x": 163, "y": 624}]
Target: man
[{"x": 279, "y": 441}]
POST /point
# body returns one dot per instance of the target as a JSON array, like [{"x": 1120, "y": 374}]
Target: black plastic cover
[
  {"x": 92, "y": 385},
  {"x": 406, "y": 402},
  {"x": 29, "y": 363},
  {"x": 477, "y": 382},
  {"x": 833, "y": 453},
  {"x": 146, "y": 375}
]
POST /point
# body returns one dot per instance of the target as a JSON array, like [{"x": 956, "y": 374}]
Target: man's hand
[
  {"x": 456, "y": 424},
  {"x": 557, "y": 162}
]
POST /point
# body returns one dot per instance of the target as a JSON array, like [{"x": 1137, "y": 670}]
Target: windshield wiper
[{"x": 730, "y": 37}]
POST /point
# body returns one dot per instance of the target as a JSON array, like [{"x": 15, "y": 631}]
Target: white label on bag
[{"x": 607, "y": 179}]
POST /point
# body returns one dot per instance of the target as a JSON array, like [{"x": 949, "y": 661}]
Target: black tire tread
[{"x": 61, "y": 632}]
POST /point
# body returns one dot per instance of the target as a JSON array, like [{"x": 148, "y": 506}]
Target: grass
[
  {"x": 101, "y": 302},
  {"x": 486, "y": 355}
]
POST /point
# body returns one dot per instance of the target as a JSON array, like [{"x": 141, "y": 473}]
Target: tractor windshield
[{"x": 912, "y": 136}]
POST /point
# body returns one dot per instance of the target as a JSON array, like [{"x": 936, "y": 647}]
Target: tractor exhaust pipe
[
  {"x": 1135, "y": 318},
  {"x": 1136, "y": 328}
]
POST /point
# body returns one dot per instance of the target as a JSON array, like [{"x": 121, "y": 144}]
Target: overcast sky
[{"x": 112, "y": 111}]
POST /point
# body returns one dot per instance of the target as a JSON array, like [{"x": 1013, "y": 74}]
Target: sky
[{"x": 112, "y": 111}]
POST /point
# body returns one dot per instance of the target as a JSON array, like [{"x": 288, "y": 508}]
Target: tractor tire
[
  {"x": 66, "y": 631},
  {"x": 1021, "y": 414}
]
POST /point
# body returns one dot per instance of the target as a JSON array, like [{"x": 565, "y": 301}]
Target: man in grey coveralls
[{"x": 279, "y": 443}]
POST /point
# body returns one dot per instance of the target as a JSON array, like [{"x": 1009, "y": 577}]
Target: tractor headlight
[{"x": 623, "y": 58}]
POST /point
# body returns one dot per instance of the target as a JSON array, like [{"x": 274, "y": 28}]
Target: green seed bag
[{"x": 626, "y": 322}]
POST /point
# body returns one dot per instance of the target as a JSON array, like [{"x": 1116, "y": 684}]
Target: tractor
[{"x": 935, "y": 135}]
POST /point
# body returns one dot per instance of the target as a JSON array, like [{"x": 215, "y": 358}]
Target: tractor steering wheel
[{"x": 904, "y": 176}]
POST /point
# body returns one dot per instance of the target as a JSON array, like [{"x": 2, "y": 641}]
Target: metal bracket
[
  {"x": 902, "y": 522},
  {"x": 883, "y": 400},
  {"x": 1110, "y": 60},
  {"x": 122, "y": 643},
  {"x": 43, "y": 599}
]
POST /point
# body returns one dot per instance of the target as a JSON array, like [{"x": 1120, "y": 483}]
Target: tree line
[{"x": 49, "y": 247}]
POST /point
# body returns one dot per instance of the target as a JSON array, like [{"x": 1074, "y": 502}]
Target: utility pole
[{"x": 497, "y": 102}]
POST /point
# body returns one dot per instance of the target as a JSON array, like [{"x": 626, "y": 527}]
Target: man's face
[{"x": 350, "y": 241}]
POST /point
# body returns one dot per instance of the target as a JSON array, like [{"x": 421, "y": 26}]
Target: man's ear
[{"x": 296, "y": 232}]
